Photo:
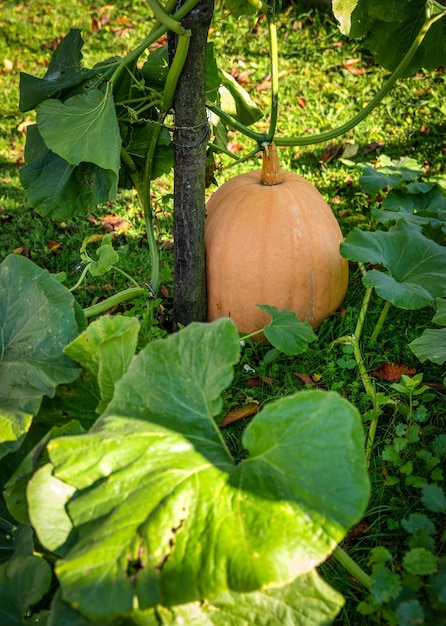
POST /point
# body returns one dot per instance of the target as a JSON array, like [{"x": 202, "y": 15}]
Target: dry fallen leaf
[
  {"x": 257, "y": 381},
  {"x": 393, "y": 371},
  {"x": 54, "y": 246},
  {"x": 239, "y": 413},
  {"x": 113, "y": 222},
  {"x": 350, "y": 66},
  {"x": 312, "y": 380}
]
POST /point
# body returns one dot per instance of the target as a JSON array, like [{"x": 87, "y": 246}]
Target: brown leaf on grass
[
  {"x": 112, "y": 223},
  {"x": 350, "y": 66},
  {"x": 23, "y": 250},
  {"x": 371, "y": 147},
  {"x": 258, "y": 381},
  {"x": 234, "y": 146},
  {"x": 53, "y": 45},
  {"x": 312, "y": 380},
  {"x": 240, "y": 413},
  {"x": 332, "y": 151},
  {"x": 164, "y": 291},
  {"x": 54, "y": 246},
  {"x": 360, "y": 530},
  {"x": 301, "y": 102},
  {"x": 393, "y": 371}
]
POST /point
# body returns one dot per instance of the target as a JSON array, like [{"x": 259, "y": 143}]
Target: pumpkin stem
[{"x": 271, "y": 172}]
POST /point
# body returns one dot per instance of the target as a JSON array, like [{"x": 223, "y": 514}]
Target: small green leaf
[
  {"x": 409, "y": 613},
  {"x": 416, "y": 522},
  {"x": 420, "y": 562},
  {"x": 107, "y": 257},
  {"x": 286, "y": 332},
  {"x": 416, "y": 266},
  {"x": 433, "y": 498},
  {"x": 385, "y": 585}
]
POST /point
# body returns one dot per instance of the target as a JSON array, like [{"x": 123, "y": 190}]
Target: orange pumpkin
[{"x": 272, "y": 239}]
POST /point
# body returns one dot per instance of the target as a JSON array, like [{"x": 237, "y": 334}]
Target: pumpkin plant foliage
[{"x": 146, "y": 508}]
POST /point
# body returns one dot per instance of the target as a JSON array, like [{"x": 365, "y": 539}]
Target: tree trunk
[{"x": 191, "y": 133}]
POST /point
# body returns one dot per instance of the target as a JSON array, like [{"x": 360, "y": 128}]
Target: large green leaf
[
  {"x": 17, "y": 484},
  {"x": 105, "y": 350},
  {"x": 57, "y": 189},
  {"x": 64, "y": 72},
  {"x": 162, "y": 512},
  {"x": 432, "y": 343},
  {"x": 307, "y": 601},
  {"x": 23, "y": 582},
  {"x": 84, "y": 128},
  {"x": 379, "y": 22},
  {"x": 37, "y": 318},
  {"x": 416, "y": 266},
  {"x": 13, "y": 428}
]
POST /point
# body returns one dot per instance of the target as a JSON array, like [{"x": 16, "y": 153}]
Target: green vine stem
[
  {"x": 176, "y": 69},
  {"x": 154, "y": 35},
  {"x": 117, "y": 298},
  {"x": 142, "y": 186},
  {"x": 272, "y": 34},
  {"x": 355, "y": 120},
  {"x": 352, "y": 567},
  {"x": 164, "y": 18},
  {"x": 380, "y": 322}
]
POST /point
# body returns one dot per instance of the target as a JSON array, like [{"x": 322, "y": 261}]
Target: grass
[{"x": 325, "y": 79}]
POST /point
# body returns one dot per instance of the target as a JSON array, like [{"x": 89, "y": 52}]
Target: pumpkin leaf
[
  {"x": 15, "y": 493},
  {"x": 398, "y": 21},
  {"x": 268, "y": 607},
  {"x": 416, "y": 266},
  {"x": 105, "y": 350},
  {"x": 57, "y": 189},
  {"x": 13, "y": 428},
  {"x": 90, "y": 129},
  {"x": 286, "y": 332},
  {"x": 388, "y": 173},
  {"x": 432, "y": 343},
  {"x": 32, "y": 362},
  {"x": 24, "y": 580},
  {"x": 153, "y": 478}
]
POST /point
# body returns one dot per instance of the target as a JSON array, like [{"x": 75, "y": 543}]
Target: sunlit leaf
[
  {"x": 415, "y": 266},
  {"x": 162, "y": 511},
  {"x": 84, "y": 128},
  {"x": 398, "y": 21},
  {"x": 105, "y": 350}
]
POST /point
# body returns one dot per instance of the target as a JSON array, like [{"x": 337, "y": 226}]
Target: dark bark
[{"x": 191, "y": 133}]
